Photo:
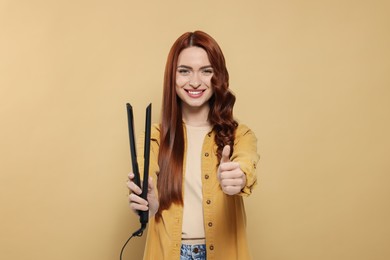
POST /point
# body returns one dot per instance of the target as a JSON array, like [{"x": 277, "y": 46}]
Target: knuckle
[{"x": 132, "y": 197}]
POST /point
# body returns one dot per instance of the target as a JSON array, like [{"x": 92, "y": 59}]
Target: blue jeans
[{"x": 193, "y": 252}]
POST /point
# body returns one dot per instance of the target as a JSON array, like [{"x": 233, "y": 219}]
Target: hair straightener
[{"x": 143, "y": 215}]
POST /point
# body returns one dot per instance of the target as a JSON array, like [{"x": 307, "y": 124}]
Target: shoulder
[
  {"x": 243, "y": 130},
  {"x": 244, "y": 134}
]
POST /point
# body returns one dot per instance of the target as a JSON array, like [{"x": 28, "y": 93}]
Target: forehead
[{"x": 194, "y": 57}]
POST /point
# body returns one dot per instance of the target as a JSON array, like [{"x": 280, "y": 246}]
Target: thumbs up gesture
[{"x": 231, "y": 178}]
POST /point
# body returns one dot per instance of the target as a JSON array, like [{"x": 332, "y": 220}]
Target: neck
[{"x": 196, "y": 116}]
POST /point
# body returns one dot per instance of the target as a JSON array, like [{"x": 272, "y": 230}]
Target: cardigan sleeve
[{"x": 245, "y": 153}]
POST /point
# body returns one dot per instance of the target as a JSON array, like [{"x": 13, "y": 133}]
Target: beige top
[{"x": 193, "y": 224}]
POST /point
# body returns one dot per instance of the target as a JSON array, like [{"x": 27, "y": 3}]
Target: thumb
[
  {"x": 150, "y": 184},
  {"x": 225, "y": 154}
]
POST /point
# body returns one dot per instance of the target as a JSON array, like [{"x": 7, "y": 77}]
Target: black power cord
[{"x": 137, "y": 233}]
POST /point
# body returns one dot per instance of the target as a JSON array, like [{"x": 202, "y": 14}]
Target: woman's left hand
[{"x": 231, "y": 178}]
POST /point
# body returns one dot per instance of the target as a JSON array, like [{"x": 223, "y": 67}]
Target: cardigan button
[
  {"x": 208, "y": 201},
  {"x": 210, "y": 224},
  {"x": 206, "y": 176},
  {"x": 206, "y": 154},
  {"x": 211, "y": 247}
]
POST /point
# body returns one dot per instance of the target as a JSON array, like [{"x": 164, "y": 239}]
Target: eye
[
  {"x": 207, "y": 72},
  {"x": 183, "y": 72}
]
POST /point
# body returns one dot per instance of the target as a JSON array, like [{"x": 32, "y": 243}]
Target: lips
[{"x": 195, "y": 93}]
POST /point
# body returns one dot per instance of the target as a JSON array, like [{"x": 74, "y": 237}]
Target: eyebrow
[{"x": 190, "y": 68}]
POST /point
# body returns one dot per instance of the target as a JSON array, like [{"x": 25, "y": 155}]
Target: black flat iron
[{"x": 143, "y": 215}]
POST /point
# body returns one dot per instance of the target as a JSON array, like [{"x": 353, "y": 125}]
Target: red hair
[{"x": 171, "y": 151}]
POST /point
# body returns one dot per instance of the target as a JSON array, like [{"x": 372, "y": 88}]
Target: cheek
[
  {"x": 207, "y": 81},
  {"x": 181, "y": 81},
  {"x": 211, "y": 91}
]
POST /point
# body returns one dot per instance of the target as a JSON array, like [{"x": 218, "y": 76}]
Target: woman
[{"x": 202, "y": 161}]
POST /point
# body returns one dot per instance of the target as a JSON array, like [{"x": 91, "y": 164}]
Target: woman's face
[{"x": 193, "y": 78}]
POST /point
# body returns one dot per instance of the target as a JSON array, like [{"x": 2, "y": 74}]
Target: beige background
[{"x": 311, "y": 79}]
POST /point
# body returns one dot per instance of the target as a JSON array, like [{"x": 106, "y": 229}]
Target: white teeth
[{"x": 194, "y": 92}]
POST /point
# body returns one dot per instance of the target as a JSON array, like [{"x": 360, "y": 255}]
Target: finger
[
  {"x": 136, "y": 206},
  {"x": 231, "y": 190},
  {"x": 232, "y": 174},
  {"x": 232, "y": 182},
  {"x": 229, "y": 166},
  {"x": 150, "y": 184},
  {"x": 130, "y": 176},
  {"x": 134, "y": 188},
  {"x": 225, "y": 154},
  {"x": 137, "y": 199}
]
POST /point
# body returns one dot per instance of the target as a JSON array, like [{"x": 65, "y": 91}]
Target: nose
[
  {"x": 194, "y": 84},
  {"x": 195, "y": 81}
]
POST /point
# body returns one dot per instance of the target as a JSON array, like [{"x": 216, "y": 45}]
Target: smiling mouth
[{"x": 195, "y": 92}]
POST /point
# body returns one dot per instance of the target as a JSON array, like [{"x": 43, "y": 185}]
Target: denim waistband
[{"x": 193, "y": 252}]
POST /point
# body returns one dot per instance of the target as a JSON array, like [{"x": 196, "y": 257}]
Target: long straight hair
[{"x": 171, "y": 151}]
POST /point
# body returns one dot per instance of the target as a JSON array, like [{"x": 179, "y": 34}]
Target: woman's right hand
[{"x": 138, "y": 203}]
